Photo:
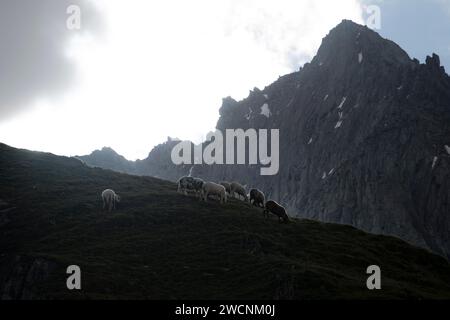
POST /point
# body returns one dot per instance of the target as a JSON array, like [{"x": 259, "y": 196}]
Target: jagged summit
[
  {"x": 107, "y": 150},
  {"x": 351, "y": 56},
  {"x": 350, "y": 45}
]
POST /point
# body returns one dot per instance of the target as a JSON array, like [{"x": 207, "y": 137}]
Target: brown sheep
[
  {"x": 276, "y": 209},
  {"x": 258, "y": 198}
]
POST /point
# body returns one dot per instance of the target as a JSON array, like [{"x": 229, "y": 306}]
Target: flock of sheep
[
  {"x": 222, "y": 190},
  {"x": 233, "y": 189}
]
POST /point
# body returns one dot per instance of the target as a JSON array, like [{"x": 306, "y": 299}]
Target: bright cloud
[{"x": 162, "y": 68}]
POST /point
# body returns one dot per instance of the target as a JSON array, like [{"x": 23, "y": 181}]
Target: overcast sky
[{"x": 139, "y": 71}]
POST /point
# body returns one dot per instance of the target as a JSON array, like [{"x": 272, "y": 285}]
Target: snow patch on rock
[
  {"x": 265, "y": 111},
  {"x": 447, "y": 148},
  {"x": 435, "y": 159},
  {"x": 339, "y": 123},
  {"x": 342, "y": 103}
]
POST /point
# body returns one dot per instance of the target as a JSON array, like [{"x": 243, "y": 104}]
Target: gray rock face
[{"x": 363, "y": 136}]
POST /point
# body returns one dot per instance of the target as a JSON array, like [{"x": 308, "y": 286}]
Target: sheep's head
[{"x": 117, "y": 198}]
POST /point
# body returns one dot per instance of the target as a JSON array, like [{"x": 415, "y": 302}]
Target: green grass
[{"x": 162, "y": 245}]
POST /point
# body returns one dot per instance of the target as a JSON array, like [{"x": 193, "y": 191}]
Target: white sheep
[
  {"x": 109, "y": 199},
  {"x": 214, "y": 189},
  {"x": 239, "y": 189}
]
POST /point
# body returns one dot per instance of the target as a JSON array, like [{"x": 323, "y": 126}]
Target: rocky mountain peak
[
  {"x": 107, "y": 150},
  {"x": 351, "y": 44}
]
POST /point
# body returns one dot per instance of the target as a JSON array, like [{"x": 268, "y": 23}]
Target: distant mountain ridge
[
  {"x": 109, "y": 159},
  {"x": 364, "y": 139},
  {"x": 158, "y": 163}
]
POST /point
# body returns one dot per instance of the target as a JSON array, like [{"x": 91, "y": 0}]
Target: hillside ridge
[{"x": 163, "y": 245}]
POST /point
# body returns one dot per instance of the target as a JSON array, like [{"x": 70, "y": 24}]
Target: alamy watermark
[
  {"x": 374, "y": 280},
  {"x": 73, "y": 282},
  {"x": 231, "y": 149},
  {"x": 73, "y": 21},
  {"x": 372, "y": 16}
]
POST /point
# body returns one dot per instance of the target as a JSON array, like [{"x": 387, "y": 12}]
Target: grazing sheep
[
  {"x": 227, "y": 186},
  {"x": 258, "y": 198},
  {"x": 239, "y": 189},
  {"x": 110, "y": 198},
  {"x": 198, "y": 186},
  {"x": 276, "y": 209},
  {"x": 190, "y": 183},
  {"x": 211, "y": 188}
]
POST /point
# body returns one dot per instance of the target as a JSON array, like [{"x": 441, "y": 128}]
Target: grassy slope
[{"x": 160, "y": 244}]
